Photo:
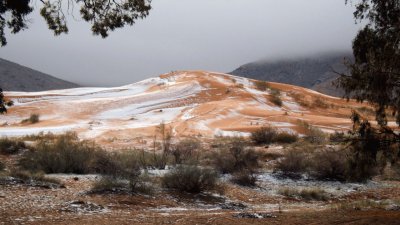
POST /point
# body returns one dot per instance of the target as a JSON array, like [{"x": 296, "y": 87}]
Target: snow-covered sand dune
[{"x": 190, "y": 102}]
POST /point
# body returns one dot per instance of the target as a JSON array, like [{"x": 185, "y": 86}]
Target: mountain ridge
[
  {"x": 16, "y": 77},
  {"x": 315, "y": 72}
]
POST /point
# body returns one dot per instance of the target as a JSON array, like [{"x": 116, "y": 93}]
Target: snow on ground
[{"x": 23, "y": 131}]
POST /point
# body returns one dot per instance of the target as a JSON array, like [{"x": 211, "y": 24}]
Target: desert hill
[
  {"x": 14, "y": 77},
  {"x": 192, "y": 103}
]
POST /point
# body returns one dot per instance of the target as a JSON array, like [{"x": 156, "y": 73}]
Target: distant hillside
[
  {"x": 14, "y": 77},
  {"x": 314, "y": 72}
]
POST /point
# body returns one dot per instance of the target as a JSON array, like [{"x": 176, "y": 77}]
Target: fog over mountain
[
  {"x": 317, "y": 72},
  {"x": 216, "y": 35}
]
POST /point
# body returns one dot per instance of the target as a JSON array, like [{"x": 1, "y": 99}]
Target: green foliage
[
  {"x": 10, "y": 146},
  {"x": 285, "y": 138},
  {"x": 4, "y": 104},
  {"x": 104, "y": 16},
  {"x": 191, "y": 179},
  {"x": 375, "y": 72}
]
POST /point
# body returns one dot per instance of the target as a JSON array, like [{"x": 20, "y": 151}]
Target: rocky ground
[{"x": 375, "y": 202}]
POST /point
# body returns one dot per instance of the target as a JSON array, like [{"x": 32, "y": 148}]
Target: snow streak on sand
[{"x": 191, "y": 102}]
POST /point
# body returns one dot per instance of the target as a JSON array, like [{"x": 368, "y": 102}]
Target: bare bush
[
  {"x": 329, "y": 165},
  {"x": 33, "y": 118},
  {"x": 66, "y": 154},
  {"x": 293, "y": 164},
  {"x": 10, "y": 147},
  {"x": 245, "y": 178},
  {"x": 185, "y": 150},
  {"x": 261, "y": 85},
  {"x": 263, "y": 135},
  {"x": 236, "y": 156}
]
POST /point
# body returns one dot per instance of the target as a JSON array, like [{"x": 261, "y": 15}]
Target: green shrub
[
  {"x": 263, "y": 135},
  {"x": 10, "y": 147},
  {"x": 191, "y": 179}
]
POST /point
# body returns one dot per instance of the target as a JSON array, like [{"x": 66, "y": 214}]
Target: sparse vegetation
[
  {"x": 306, "y": 194},
  {"x": 185, "y": 150},
  {"x": 245, "y": 177},
  {"x": 66, "y": 154},
  {"x": 236, "y": 156},
  {"x": 285, "y": 138},
  {"x": 269, "y": 135},
  {"x": 293, "y": 164},
  {"x": 261, "y": 85},
  {"x": 264, "y": 135},
  {"x": 33, "y": 118},
  {"x": 11, "y": 146},
  {"x": 275, "y": 97},
  {"x": 319, "y": 103},
  {"x": 329, "y": 165},
  {"x": 2, "y": 166},
  {"x": 190, "y": 178},
  {"x": 313, "y": 135}
]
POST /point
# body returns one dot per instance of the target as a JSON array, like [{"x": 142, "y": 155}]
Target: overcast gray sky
[{"x": 216, "y": 35}]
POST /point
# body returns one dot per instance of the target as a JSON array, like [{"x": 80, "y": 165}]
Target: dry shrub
[
  {"x": 66, "y": 154},
  {"x": 186, "y": 150},
  {"x": 245, "y": 178},
  {"x": 190, "y": 178},
  {"x": 11, "y": 147},
  {"x": 285, "y": 138},
  {"x": 264, "y": 135},
  {"x": 33, "y": 118},
  {"x": 236, "y": 156},
  {"x": 2, "y": 166},
  {"x": 329, "y": 165},
  {"x": 319, "y": 103},
  {"x": 293, "y": 164},
  {"x": 261, "y": 85},
  {"x": 306, "y": 194}
]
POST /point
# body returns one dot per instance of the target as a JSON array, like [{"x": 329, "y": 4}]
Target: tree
[
  {"x": 104, "y": 15},
  {"x": 375, "y": 77},
  {"x": 4, "y": 103},
  {"x": 375, "y": 72}
]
